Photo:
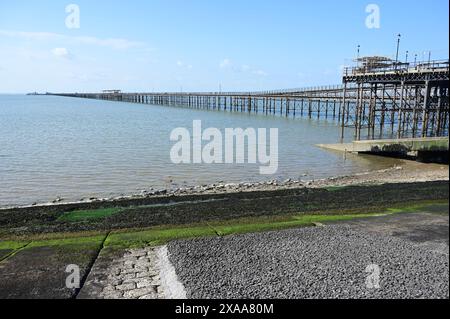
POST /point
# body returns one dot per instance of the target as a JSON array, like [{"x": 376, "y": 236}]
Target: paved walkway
[{"x": 132, "y": 275}]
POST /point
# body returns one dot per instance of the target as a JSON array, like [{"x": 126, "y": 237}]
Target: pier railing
[{"x": 436, "y": 66}]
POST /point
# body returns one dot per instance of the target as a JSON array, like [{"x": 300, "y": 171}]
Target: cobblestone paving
[{"x": 134, "y": 275}]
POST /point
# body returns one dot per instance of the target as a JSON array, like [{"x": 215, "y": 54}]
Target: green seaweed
[{"x": 162, "y": 234}]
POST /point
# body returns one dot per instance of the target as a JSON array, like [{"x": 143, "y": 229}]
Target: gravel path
[{"x": 316, "y": 262}]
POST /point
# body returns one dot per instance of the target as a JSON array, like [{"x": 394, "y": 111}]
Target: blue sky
[{"x": 199, "y": 45}]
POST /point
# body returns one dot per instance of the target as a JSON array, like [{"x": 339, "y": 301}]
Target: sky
[{"x": 205, "y": 45}]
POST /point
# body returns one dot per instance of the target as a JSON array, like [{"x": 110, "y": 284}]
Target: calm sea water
[{"x": 75, "y": 148}]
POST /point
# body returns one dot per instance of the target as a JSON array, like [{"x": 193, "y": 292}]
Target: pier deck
[
  {"x": 405, "y": 145},
  {"x": 377, "y": 103}
]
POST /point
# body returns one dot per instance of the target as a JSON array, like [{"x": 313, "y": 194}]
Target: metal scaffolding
[{"x": 397, "y": 99}]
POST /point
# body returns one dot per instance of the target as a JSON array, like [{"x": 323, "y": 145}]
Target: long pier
[{"x": 376, "y": 100}]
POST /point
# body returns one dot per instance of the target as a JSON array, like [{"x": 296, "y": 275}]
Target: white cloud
[
  {"x": 61, "y": 52},
  {"x": 114, "y": 43},
  {"x": 181, "y": 64},
  {"x": 29, "y": 35},
  {"x": 245, "y": 68},
  {"x": 118, "y": 44},
  {"x": 260, "y": 73},
  {"x": 225, "y": 63}
]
